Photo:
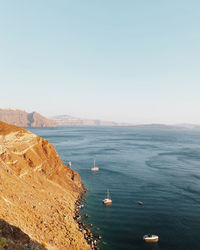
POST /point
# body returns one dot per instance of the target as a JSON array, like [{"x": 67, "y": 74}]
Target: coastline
[{"x": 90, "y": 238}]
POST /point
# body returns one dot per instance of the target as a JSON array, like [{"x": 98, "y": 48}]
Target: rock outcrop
[
  {"x": 37, "y": 190},
  {"x": 23, "y": 119}
]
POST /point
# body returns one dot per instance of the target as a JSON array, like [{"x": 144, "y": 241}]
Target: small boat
[
  {"x": 141, "y": 203},
  {"x": 94, "y": 168},
  {"x": 107, "y": 200},
  {"x": 150, "y": 238}
]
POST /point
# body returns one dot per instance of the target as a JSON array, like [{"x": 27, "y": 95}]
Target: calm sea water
[{"x": 159, "y": 167}]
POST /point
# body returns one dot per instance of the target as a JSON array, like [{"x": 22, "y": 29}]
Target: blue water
[{"x": 159, "y": 167}]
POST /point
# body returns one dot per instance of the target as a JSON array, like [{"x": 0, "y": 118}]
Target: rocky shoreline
[{"x": 91, "y": 238}]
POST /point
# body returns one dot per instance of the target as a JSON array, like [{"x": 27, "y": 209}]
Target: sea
[{"x": 158, "y": 166}]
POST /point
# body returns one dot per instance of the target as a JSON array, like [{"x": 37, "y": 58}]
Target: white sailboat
[
  {"x": 94, "y": 168},
  {"x": 107, "y": 200}
]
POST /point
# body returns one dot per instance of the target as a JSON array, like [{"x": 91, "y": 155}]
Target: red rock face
[
  {"x": 24, "y": 119},
  {"x": 38, "y": 191}
]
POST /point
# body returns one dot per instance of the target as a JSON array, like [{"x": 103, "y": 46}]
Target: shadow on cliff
[{"x": 12, "y": 237}]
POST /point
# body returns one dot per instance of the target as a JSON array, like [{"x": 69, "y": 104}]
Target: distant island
[
  {"x": 67, "y": 120},
  {"x": 23, "y": 119},
  {"x": 34, "y": 119}
]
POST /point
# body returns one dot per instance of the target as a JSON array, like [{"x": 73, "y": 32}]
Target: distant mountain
[
  {"x": 67, "y": 120},
  {"x": 189, "y": 126},
  {"x": 164, "y": 126},
  {"x": 156, "y": 126},
  {"x": 23, "y": 119}
]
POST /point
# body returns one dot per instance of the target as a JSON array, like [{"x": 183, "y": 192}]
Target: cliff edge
[
  {"x": 23, "y": 119},
  {"x": 37, "y": 190}
]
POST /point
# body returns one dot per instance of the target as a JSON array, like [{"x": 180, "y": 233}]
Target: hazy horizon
[
  {"x": 119, "y": 122},
  {"x": 132, "y": 62}
]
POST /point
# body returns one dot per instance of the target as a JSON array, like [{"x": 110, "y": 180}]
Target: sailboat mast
[{"x": 108, "y": 194}]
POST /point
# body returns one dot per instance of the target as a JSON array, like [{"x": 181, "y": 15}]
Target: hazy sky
[{"x": 130, "y": 61}]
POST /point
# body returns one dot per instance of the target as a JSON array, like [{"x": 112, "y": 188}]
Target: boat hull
[
  {"x": 107, "y": 202},
  {"x": 152, "y": 238},
  {"x": 94, "y": 169}
]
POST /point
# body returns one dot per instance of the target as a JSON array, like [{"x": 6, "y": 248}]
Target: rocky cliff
[
  {"x": 24, "y": 119},
  {"x": 37, "y": 191}
]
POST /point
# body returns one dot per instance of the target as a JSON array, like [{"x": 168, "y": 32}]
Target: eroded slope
[{"x": 38, "y": 191}]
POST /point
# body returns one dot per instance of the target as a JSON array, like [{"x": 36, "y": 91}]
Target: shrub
[{"x": 3, "y": 243}]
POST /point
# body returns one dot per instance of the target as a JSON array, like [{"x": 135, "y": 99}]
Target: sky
[{"x": 126, "y": 61}]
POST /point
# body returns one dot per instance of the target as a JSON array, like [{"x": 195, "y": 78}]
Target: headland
[{"x": 38, "y": 192}]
